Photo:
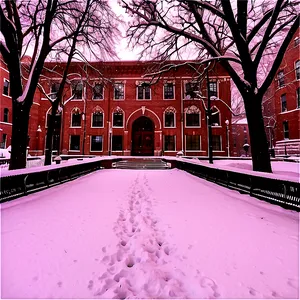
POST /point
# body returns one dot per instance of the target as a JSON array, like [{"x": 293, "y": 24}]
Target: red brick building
[
  {"x": 119, "y": 113},
  {"x": 281, "y": 104}
]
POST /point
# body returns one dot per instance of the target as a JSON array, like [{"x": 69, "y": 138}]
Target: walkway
[{"x": 142, "y": 234}]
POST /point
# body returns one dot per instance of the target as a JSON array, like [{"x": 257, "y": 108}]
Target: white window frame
[
  {"x": 164, "y": 118},
  {"x": 92, "y": 119},
  {"x": 175, "y": 141},
  {"x": 185, "y": 113},
  {"x": 217, "y": 82},
  {"x": 72, "y": 118},
  {"x": 93, "y": 151},
  {"x": 200, "y": 143},
  {"x": 221, "y": 140},
  {"x": 121, "y": 82},
  {"x": 101, "y": 99},
  {"x": 173, "y": 83},
  {"x": 112, "y": 118},
  {"x": 220, "y": 121},
  {"x": 184, "y": 90},
  {"x": 9, "y": 96},
  {"x": 136, "y": 96},
  {"x": 70, "y": 143}
]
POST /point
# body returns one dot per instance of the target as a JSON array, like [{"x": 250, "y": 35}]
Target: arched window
[
  {"x": 76, "y": 117},
  {"x": 192, "y": 116},
  {"x": 215, "y": 116},
  {"x": 6, "y": 115},
  {"x": 97, "y": 117},
  {"x": 118, "y": 117},
  {"x": 169, "y": 117}
]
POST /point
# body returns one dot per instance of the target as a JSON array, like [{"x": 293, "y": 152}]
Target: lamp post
[
  {"x": 39, "y": 130},
  {"x": 210, "y": 148},
  {"x": 227, "y": 131}
]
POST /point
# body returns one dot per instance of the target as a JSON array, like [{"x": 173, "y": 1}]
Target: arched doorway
[{"x": 142, "y": 137}]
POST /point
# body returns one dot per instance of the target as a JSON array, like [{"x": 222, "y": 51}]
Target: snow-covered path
[{"x": 147, "y": 234}]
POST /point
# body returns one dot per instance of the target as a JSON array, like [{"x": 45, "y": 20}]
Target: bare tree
[
  {"x": 235, "y": 34},
  {"x": 95, "y": 32},
  {"x": 41, "y": 26}
]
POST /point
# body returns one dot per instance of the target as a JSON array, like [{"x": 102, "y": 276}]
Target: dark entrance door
[{"x": 142, "y": 137}]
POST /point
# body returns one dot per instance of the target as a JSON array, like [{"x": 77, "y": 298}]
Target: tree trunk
[
  {"x": 19, "y": 140},
  {"x": 49, "y": 137},
  {"x": 259, "y": 144}
]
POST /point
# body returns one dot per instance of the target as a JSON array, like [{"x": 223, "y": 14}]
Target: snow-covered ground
[{"x": 147, "y": 234}]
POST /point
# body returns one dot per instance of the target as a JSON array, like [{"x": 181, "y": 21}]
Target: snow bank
[{"x": 147, "y": 234}]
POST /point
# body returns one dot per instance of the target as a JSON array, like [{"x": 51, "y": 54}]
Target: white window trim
[
  {"x": 136, "y": 96},
  {"x": 70, "y": 143},
  {"x": 174, "y": 120},
  {"x": 184, "y": 90},
  {"x": 200, "y": 144},
  {"x": 112, "y": 118},
  {"x": 83, "y": 91},
  {"x": 221, "y": 140},
  {"x": 101, "y": 99},
  {"x": 72, "y": 119},
  {"x": 8, "y": 96},
  {"x": 114, "y": 91},
  {"x": 173, "y": 90},
  {"x": 218, "y": 87},
  {"x": 220, "y": 120},
  {"x": 192, "y": 126},
  {"x": 92, "y": 120},
  {"x": 175, "y": 141},
  {"x": 91, "y": 144}
]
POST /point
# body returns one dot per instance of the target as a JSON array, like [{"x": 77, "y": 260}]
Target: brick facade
[
  {"x": 281, "y": 104},
  {"x": 99, "y": 139}
]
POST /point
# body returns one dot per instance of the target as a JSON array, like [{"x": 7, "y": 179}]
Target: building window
[
  {"x": 98, "y": 91},
  {"x": 280, "y": 77},
  {"x": 75, "y": 142},
  {"x": 213, "y": 91},
  {"x": 76, "y": 118},
  {"x": 3, "y": 143},
  {"x": 192, "y": 142},
  {"x": 297, "y": 69},
  {"x": 54, "y": 89},
  {"x": 191, "y": 90},
  {"x": 169, "y": 143},
  {"x": 298, "y": 97},
  {"x": 192, "y": 120},
  {"x": 215, "y": 117},
  {"x": 283, "y": 102},
  {"x": 118, "y": 117},
  {"x": 96, "y": 143},
  {"x": 216, "y": 142},
  {"x": 286, "y": 133},
  {"x": 119, "y": 91},
  {"x": 169, "y": 90},
  {"x": 117, "y": 143},
  {"x": 296, "y": 41},
  {"x": 169, "y": 119},
  {"x": 192, "y": 116},
  {"x": 77, "y": 89},
  {"x": 6, "y": 87},
  {"x": 6, "y": 115},
  {"x": 97, "y": 119},
  {"x": 144, "y": 91}
]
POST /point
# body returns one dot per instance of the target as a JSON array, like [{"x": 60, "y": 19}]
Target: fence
[
  {"x": 22, "y": 184},
  {"x": 281, "y": 192}
]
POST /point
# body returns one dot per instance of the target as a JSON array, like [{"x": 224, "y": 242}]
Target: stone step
[{"x": 144, "y": 164}]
